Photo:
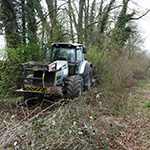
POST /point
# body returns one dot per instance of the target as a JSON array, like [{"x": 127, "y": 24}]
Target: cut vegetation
[{"x": 96, "y": 120}]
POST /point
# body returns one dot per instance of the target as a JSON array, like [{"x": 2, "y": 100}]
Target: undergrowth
[
  {"x": 95, "y": 120},
  {"x": 61, "y": 125}
]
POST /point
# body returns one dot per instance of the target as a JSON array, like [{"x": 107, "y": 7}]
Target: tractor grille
[{"x": 49, "y": 79}]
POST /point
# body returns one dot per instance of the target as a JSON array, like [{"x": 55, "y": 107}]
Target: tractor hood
[{"x": 57, "y": 65}]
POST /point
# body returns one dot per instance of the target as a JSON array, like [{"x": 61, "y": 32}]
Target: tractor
[{"x": 67, "y": 70}]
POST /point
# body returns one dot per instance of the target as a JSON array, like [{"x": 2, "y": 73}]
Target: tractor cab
[{"x": 72, "y": 53}]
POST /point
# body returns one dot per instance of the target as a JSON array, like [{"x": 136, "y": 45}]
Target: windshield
[{"x": 63, "y": 53}]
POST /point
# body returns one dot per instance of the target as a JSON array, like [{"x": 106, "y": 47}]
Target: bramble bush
[
  {"x": 114, "y": 70},
  {"x": 10, "y": 67},
  {"x": 10, "y": 71}
]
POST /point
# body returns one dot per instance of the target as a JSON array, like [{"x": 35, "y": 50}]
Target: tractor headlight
[{"x": 52, "y": 67}]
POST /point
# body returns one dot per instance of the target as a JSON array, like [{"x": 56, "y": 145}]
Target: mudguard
[{"x": 85, "y": 68}]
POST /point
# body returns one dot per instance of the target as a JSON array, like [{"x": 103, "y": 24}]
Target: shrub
[
  {"x": 10, "y": 72},
  {"x": 10, "y": 68},
  {"x": 117, "y": 71}
]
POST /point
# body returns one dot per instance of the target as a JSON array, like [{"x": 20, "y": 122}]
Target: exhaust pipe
[{"x": 44, "y": 56}]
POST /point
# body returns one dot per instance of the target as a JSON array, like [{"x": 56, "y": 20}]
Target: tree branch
[
  {"x": 47, "y": 14},
  {"x": 141, "y": 15}
]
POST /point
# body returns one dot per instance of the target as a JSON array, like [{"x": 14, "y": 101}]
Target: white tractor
[{"x": 67, "y": 70}]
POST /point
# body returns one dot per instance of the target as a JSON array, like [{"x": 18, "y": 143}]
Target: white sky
[
  {"x": 2, "y": 41},
  {"x": 144, "y": 23}
]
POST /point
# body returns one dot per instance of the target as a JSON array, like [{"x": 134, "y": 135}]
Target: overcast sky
[
  {"x": 2, "y": 41},
  {"x": 144, "y": 23}
]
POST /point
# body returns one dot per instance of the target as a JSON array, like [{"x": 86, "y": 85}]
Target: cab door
[{"x": 79, "y": 59}]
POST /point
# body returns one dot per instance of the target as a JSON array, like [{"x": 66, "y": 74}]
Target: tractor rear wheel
[
  {"x": 88, "y": 80},
  {"x": 73, "y": 86}
]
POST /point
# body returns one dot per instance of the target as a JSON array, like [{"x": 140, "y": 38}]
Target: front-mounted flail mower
[{"x": 67, "y": 70}]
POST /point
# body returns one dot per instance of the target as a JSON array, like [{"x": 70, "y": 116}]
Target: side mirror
[{"x": 84, "y": 50}]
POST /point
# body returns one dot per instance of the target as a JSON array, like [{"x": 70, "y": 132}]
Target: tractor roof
[{"x": 66, "y": 44}]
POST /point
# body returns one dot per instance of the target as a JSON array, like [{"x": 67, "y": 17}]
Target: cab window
[
  {"x": 63, "y": 52},
  {"x": 79, "y": 55}
]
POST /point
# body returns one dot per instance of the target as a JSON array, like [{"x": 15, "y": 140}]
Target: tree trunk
[
  {"x": 80, "y": 21},
  {"x": 31, "y": 21},
  {"x": 10, "y": 23},
  {"x": 70, "y": 21},
  {"x": 23, "y": 22},
  {"x": 103, "y": 19},
  {"x": 43, "y": 20},
  {"x": 86, "y": 21},
  {"x": 121, "y": 21},
  {"x": 52, "y": 15}
]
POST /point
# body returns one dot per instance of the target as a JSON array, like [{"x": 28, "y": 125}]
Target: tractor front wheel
[{"x": 73, "y": 86}]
